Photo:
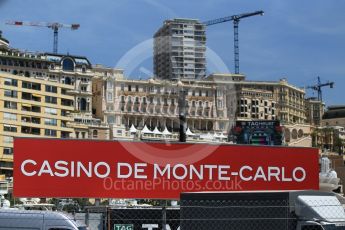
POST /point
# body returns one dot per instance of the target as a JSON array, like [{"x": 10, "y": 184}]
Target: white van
[{"x": 37, "y": 220}]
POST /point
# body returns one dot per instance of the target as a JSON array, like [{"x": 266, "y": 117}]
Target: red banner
[{"x": 85, "y": 168}]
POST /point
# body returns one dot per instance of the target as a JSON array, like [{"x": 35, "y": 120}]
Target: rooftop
[{"x": 335, "y": 111}]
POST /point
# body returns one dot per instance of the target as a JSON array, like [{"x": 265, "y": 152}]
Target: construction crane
[
  {"x": 55, "y": 26},
  {"x": 236, "y": 20},
  {"x": 318, "y": 87}
]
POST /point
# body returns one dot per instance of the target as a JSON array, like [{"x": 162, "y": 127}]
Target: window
[
  {"x": 31, "y": 97},
  {"x": 11, "y": 82},
  {"x": 63, "y": 123},
  {"x": 122, "y": 87},
  {"x": 66, "y": 102},
  {"x": 52, "y": 100},
  {"x": 111, "y": 119},
  {"x": 68, "y": 81},
  {"x": 220, "y": 104},
  {"x": 219, "y": 93},
  {"x": 50, "y": 111},
  {"x": 83, "y": 88},
  {"x": 94, "y": 134},
  {"x": 63, "y": 91},
  {"x": 10, "y": 104},
  {"x": 50, "y": 132},
  {"x": 8, "y": 139},
  {"x": 31, "y": 85},
  {"x": 110, "y": 84},
  {"x": 10, "y": 116},
  {"x": 64, "y": 112},
  {"x": 68, "y": 65},
  {"x": 10, "y": 128},
  {"x": 83, "y": 104},
  {"x": 35, "y": 109},
  {"x": 136, "y": 88},
  {"x": 8, "y": 151},
  {"x": 50, "y": 121},
  {"x": 10, "y": 93},
  {"x": 51, "y": 89},
  {"x": 129, "y": 88},
  {"x": 109, "y": 96}
]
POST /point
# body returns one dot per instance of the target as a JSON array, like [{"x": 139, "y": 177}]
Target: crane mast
[
  {"x": 318, "y": 87},
  {"x": 236, "y": 20}
]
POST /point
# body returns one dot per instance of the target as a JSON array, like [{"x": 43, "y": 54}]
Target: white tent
[
  {"x": 156, "y": 131},
  {"x": 215, "y": 135},
  {"x": 166, "y": 131},
  {"x": 208, "y": 136},
  {"x": 189, "y": 133},
  {"x": 223, "y": 136},
  {"x": 145, "y": 130},
  {"x": 133, "y": 129}
]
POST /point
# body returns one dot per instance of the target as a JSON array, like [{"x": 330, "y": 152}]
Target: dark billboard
[{"x": 258, "y": 132}]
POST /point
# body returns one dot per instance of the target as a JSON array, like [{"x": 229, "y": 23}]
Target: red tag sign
[{"x": 120, "y": 169}]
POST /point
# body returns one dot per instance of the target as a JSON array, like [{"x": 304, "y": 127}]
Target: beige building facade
[
  {"x": 31, "y": 107},
  {"x": 314, "y": 111},
  {"x": 44, "y": 95},
  {"x": 213, "y": 104}
]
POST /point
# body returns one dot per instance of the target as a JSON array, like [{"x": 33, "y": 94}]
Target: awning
[
  {"x": 156, "y": 131},
  {"x": 145, "y": 130},
  {"x": 133, "y": 129}
]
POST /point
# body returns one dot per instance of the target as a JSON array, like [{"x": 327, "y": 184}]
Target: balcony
[
  {"x": 31, "y": 97},
  {"x": 34, "y": 120},
  {"x": 30, "y": 130}
]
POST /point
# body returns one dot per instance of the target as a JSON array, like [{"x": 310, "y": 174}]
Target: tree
[{"x": 338, "y": 144}]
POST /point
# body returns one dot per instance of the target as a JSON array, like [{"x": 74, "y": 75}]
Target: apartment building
[
  {"x": 334, "y": 116},
  {"x": 179, "y": 50},
  {"x": 314, "y": 111},
  {"x": 43, "y": 91},
  {"x": 31, "y": 107}
]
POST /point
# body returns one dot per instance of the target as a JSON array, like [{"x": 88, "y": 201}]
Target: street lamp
[{"x": 182, "y": 112}]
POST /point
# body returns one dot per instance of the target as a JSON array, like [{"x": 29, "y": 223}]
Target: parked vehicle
[{"x": 37, "y": 220}]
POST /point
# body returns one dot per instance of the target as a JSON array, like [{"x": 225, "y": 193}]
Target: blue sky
[{"x": 296, "y": 39}]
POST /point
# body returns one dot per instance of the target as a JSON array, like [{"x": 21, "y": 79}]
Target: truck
[
  {"x": 37, "y": 220},
  {"x": 288, "y": 210}
]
